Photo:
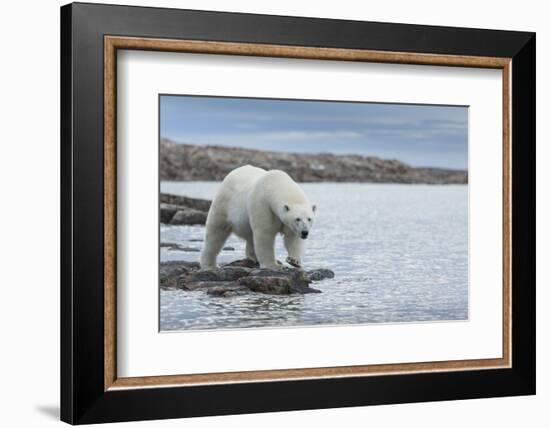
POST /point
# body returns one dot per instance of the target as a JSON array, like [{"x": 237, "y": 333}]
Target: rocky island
[
  {"x": 187, "y": 162},
  {"x": 239, "y": 277}
]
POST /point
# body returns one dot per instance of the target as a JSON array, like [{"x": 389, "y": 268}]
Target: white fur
[{"x": 256, "y": 205}]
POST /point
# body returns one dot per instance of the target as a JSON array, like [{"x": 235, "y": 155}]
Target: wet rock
[
  {"x": 172, "y": 270},
  {"x": 188, "y": 217},
  {"x": 168, "y": 244},
  {"x": 178, "y": 267},
  {"x": 182, "y": 210},
  {"x": 226, "y": 273},
  {"x": 319, "y": 274},
  {"x": 204, "y": 284},
  {"x": 297, "y": 275},
  {"x": 300, "y": 288},
  {"x": 185, "y": 201},
  {"x": 231, "y": 289},
  {"x": 284, "y": 281},
  {"x": 238, "y": 277},
  {"x": 283, "y": 273},
  {"x": 267, "y": 284},
  {"x": 168, "y": 281},
  {"x": 167, "y": 212},
  {"x": 243, "y": 263}
]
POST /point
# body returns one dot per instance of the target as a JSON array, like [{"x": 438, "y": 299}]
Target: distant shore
[{"x": 187, "y": 162}]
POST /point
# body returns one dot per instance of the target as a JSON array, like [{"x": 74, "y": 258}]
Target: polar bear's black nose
[{"x": 304, "y": 234}]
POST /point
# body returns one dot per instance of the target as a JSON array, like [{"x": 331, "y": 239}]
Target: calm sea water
[{"x": 399, "y": 253}]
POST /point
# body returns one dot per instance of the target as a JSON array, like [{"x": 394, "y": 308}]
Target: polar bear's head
[{"x": 298, "y": 218}]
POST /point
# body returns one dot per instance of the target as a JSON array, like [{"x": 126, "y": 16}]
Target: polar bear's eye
[
  {"x": 298, "y": 219},
  {"x": 309, "y": 219}
]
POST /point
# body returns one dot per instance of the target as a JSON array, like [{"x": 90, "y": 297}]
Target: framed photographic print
[{"x": 265, "y": 213}]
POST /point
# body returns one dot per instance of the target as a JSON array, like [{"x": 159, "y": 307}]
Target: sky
[{"x": 420, "y": 135}]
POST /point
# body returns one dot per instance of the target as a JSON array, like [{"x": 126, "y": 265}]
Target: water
[{"x": 399, "y": 253}]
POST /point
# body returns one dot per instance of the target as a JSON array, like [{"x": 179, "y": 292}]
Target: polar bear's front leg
[
  {"x": 264, "y": 244},
  {"x": 295, "y": 248}
]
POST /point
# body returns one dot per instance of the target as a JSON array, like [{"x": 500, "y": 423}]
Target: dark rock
[
  {"x": 168, "y": 281},
  {"x": 167, "y": 212},
  {"x": 182, "y": 210},
  {"x": 244, "y": 263},
  {"x": 283, "y": 273},
  {"x": 228, "y": 249},
  {"x": 204, "y": 284},
  {"x": 285, "y": 281},
  {"x": 168, "y": 244},
  {"x": 231, "y": 289},
  {"x": 300, "y": 288},
  {"x": 232, "y": 273},
  {"x": 170, "y": 272},
  {"x": 238, "y": 277},
  {"x": 178, "y": 267},
  {"x": 297, "y": 275},
  {"x": 226, "y": 273},
  {"x": 267, "y": 284},
  {"x": 185, "y": 201},
  {"x": 319, "y": 274},
  {"x": 189, "y": 217},
  {"x": 196, "y": 240}
]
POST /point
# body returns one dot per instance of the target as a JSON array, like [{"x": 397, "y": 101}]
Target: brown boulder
[{"x": 188, "y": 217}]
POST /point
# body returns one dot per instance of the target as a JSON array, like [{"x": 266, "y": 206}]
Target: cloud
[
  {"x": 304, "y": 135},
  {"x": 417, "y": 134}
]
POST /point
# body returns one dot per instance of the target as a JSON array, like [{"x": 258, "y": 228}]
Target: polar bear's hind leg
[
  {"x": 214, "y": 241},
  {"x": 250, "y": 252}
]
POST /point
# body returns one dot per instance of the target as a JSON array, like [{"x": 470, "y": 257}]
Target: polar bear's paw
[
  {"x": 293, "y": 262},
  {"x": 272, "y": 266},
  {"x": 208, "y": 267}
]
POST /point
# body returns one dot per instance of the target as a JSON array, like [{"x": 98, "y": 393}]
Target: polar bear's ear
[
  {"x": 313, "y": 208},
  {"x": 286, "y": 207}
]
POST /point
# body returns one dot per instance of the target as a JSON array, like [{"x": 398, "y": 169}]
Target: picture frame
[{"x": 91, "y": 391}]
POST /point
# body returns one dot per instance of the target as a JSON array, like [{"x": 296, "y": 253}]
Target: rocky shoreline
[
  {"x": 187, "y": 162},
  {"x": 182, "y": 210},
  {"x": 239, "y": 277}
]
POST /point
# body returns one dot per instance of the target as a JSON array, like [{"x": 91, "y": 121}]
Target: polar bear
[{"x": 256, "y": 205}]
